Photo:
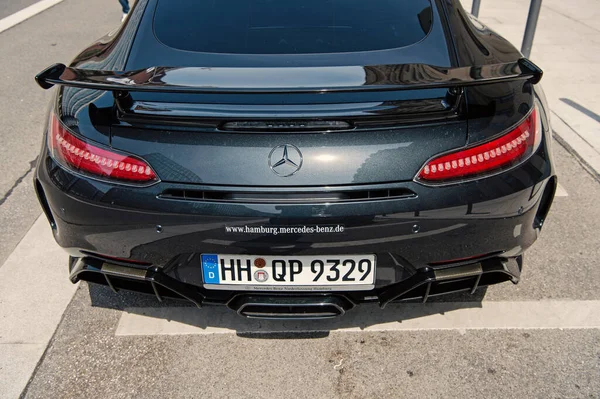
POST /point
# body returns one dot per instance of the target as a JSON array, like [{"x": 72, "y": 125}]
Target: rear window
[{"x": 291, "y": 26}]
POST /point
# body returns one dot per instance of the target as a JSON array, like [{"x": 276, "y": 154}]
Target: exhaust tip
[
  {"x": 295, "y": 308},
  {"x": 258, "y": 311}
]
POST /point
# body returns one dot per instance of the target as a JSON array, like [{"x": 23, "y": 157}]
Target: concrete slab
[
  {"x": 15, "y": 367},
  {"x": 587, "y": 154},
  {"x": 34, "y": 293}
]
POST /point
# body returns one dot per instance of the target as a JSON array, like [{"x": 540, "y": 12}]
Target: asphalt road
[
  {"x": 108, "y": 345},
  {"x": 9, "y": 7}
]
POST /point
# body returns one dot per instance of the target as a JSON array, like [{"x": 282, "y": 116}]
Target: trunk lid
[{"x": 361, "y": 138}]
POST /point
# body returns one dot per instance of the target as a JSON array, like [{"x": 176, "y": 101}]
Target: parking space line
[
  {"x": 488, "y": 315},
  {"x": 561, "y": 192},
  {"x": 26, "y": 13}
]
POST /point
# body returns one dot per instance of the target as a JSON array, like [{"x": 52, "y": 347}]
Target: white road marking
[
  {"x": 462, "y": 316},
  {"x": 34, "y": 293},
  {"x": 26, "y": 13},
  {"x": 561, "y": 192}
]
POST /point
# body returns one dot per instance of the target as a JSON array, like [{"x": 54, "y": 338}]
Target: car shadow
[
  {"x": 219, "y": 318},
  {"x": 586, "y": 111}
]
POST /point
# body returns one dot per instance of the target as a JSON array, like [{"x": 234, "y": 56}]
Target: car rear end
[{"x": 297, "y": 177}]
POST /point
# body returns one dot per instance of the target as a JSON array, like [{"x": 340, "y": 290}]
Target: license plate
[{"x": 289, "y": 273}]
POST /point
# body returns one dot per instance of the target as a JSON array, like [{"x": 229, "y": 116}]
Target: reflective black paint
[
  {"x": 289, "y": 80},
  {"x": 392, "y": 134},
  {"x": 493, "y": 215}
]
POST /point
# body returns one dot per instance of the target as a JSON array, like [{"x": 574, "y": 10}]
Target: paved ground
[
  {"x": 10, "y": 7},
  {"x": 539, "y": 339}
]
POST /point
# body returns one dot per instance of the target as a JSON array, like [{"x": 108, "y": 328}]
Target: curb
[{"x": 577, "y": 146}]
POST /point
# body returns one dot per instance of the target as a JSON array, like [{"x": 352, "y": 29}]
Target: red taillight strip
[
  {"x": 487, "y": 157},
  {"x": 78, "y": 155}
]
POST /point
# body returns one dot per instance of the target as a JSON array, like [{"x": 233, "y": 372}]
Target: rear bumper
[
  {"x": 421, "y": 284},
  {"x": 500, "y": 214}
]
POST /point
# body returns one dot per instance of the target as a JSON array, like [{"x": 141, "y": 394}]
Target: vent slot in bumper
[
  {"x": 428, "y": 282},
  {"x": 286, "y": 197}
]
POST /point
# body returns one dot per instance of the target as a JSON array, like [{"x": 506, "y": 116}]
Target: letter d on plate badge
[{"x": 210, "y": 269}]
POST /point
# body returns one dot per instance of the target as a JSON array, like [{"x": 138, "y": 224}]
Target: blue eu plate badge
[{"x": 210, "y": 267}]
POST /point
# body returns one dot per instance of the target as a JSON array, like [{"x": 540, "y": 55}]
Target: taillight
[
  {"x": 80, "y": 156},
  {"x": 496, "y": 155}
]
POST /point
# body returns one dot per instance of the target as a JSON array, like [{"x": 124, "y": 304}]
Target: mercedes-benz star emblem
[{"x": 285, "y": 160}]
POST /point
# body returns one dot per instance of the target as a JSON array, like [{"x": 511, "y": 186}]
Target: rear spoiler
[{"x": 286, "y": 80}]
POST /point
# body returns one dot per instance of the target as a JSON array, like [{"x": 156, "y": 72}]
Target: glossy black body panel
[
  {"x": 338, "y": 158},
  {"x": 289, "y": 80},
  {"x": 495, "y": 215},
  {"x": 212, "y": 177}
]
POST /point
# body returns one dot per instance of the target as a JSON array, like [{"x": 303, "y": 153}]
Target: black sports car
[{"x": 295, "y": 159}]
